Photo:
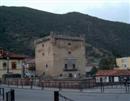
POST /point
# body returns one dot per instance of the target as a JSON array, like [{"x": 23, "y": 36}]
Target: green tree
[
  {"x": 93, "y": 71},
  {"x": 107, "y": 63}
]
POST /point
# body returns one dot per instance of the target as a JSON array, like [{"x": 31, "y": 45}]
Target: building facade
[
  {"x": 123, "y": 63},
  {"x": 30, "y": 67},
  {"x": 60, "y": 56},
  {"x": 10, "y": 63},
  {"x": 111, "y": 76}
]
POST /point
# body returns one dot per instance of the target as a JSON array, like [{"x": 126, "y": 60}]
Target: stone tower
[{"x": 60, "y": 55}]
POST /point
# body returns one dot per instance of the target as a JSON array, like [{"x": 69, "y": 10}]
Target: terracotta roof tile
[
  {"x": 116, "y": 72},
  {"x": 6, "y": 54},
  {"x": 30, "y": 60}
]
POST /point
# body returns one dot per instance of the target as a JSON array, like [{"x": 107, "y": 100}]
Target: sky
[{"x": 113, "y": 10}]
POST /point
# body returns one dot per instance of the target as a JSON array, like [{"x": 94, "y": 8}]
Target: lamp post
[
  {"x": 23, "y": 69},
  {"x": 8, "y": 63}
]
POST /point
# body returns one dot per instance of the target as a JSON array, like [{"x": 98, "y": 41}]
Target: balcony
[{"x": 70, "y": 69}]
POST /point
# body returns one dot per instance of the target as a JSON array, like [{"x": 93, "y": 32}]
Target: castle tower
[{"x": 58, "y": 55}]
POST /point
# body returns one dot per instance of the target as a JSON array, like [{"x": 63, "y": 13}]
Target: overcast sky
[{"x": 114, "y": 10}]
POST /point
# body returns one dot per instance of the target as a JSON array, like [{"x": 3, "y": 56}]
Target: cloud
[{"x": 115, "y": 12}]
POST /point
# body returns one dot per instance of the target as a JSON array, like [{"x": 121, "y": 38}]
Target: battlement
[{"x": 59, "y": 36}]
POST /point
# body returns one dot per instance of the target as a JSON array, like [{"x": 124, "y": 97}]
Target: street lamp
[
  {"x": 8, "y": 63},
  {"x": 23, "y": 69}
]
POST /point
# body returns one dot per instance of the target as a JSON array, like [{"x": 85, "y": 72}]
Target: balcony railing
[{"x": 71, "y": 69}]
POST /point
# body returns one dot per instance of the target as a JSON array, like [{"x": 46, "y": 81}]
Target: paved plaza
[{"x": 36, "y": 94}]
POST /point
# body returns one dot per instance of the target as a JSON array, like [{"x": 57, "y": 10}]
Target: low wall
[
  {"x": 87, "y": 83},
  {"x": 62, "y": 83}
]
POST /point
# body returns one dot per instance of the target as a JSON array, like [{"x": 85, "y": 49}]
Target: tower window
[
  {"x": 69, "y": 52},
  {"x": 43, "y": 54},
  {"x": 42, "y": 45},
  {"x": 65, "y": 66},
  {"x": 46, "y": 65},
  {"x": 69, "y": 43}
]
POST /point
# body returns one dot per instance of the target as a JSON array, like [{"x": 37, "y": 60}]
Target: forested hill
[{"x": 20, "y": 26}]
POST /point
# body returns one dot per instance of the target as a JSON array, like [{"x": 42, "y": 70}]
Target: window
[
  {"x": 46, "y": 65},
  {"x": 73, "y": 66},
  {"x": 69, "y": 52},
  {"x": 13, "y": 65},
  {"x": 65, "y": 66},
  {"x": 69, "y": 44},
  {"x": 61, "y": 75},
  {"x": 42, "y": 45},
  {"x": 43, "y": 54},
  {"x": 70, "y": 75},
  {"x": 4, "y": 65}
]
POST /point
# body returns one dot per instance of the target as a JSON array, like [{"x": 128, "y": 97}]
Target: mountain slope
[{"x": 20, "y": 26}]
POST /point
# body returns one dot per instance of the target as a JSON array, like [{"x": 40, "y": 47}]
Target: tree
[
  {"x": 107, "y": 63},
  {"x": 93, "y": 71}
]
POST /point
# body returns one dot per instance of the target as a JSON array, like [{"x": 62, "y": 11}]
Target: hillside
[{"x": 20, "y": 26}]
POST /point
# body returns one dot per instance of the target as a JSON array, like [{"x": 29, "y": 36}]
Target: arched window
[
  {"x": 43, "y": 54},
  {"x": 46, "y": 65}
]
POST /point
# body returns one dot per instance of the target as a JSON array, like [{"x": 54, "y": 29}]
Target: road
[{"x": 86, "y": 95}]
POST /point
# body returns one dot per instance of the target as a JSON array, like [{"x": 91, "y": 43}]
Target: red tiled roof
[
  {"x": 11, "y": 55},
  {"x": 30, "y": 60},
  {"x": 117, "y": 72}
]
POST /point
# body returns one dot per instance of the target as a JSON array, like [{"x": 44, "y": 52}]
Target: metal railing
[
  {"x": 64, "y": 98},
  {"x": 2, "y": 94},
  {"x": 70, "y": 84}
]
